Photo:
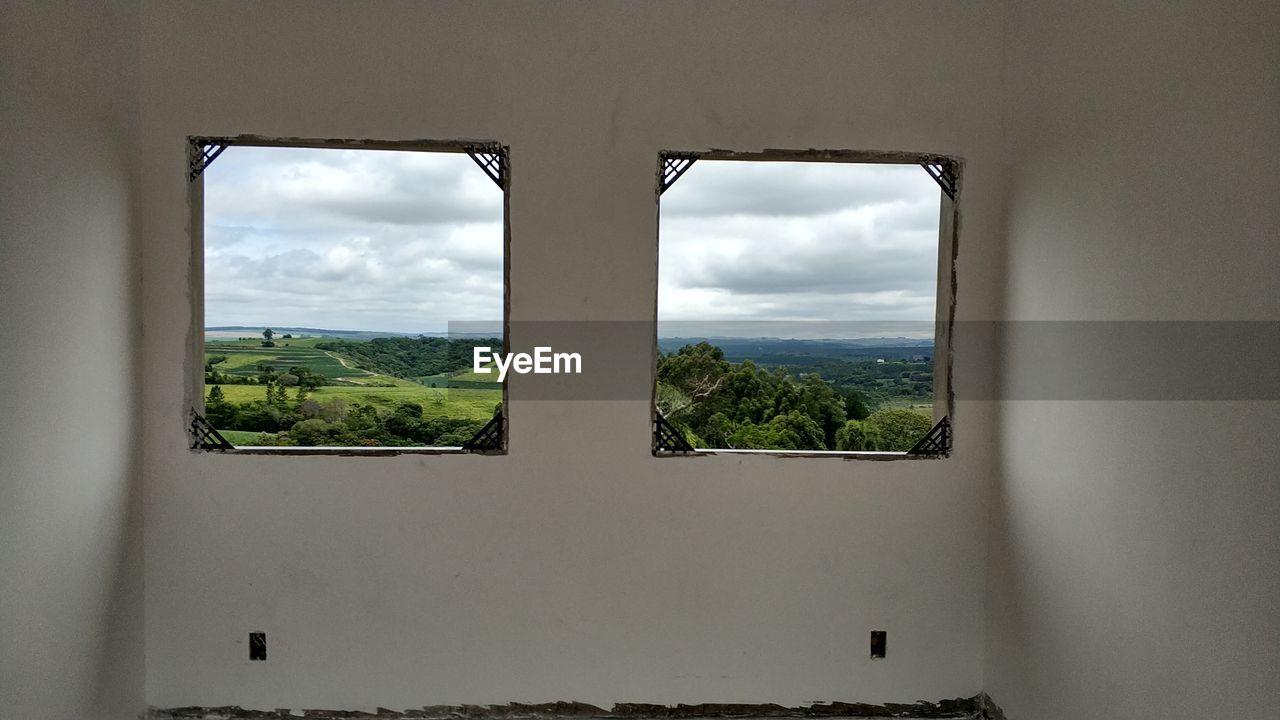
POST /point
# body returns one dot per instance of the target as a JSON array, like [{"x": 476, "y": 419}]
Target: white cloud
[
  {"x": 798, "y": 242},
  {"x": 351, "y": 239},
  {"x": 410, "y": 241}
]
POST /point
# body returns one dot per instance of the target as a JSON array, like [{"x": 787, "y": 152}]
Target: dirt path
[{"x": 343, "y": 362}]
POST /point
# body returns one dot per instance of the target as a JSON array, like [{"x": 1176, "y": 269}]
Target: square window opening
[
  {"x": 340, "y": 289},
  {"x": 805, "y": 303}
]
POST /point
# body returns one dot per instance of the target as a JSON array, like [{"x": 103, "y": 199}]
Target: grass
[
  {"x": 240, "y": 437},
  {"x": 463, "y": 379},
  {"x": 356, "y": 385},
  {"x": 900, "y": 403},
  {"x": 243, "y": 361},
  {"x": 470, "y": 403}
]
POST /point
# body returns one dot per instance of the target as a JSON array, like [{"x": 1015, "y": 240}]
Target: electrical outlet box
[
  {"x": 879, "y": 641},
  {"x": 257, "y": 646}
]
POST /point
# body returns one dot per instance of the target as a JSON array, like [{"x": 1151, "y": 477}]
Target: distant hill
[
  {"x": 783, "y": 351},
  {"x": 256, "y": 330},
  {"x": 407, "y": 357},
  {"x": 762, "y": 350}
]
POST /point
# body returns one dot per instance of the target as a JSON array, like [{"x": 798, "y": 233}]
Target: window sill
[
  {"x": 290, "y": 451},
  {"x": 835, "y": 454}
]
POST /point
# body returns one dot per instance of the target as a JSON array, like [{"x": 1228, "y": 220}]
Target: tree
[
  {"x": 266, "y": 373},
  {"x": 266, "y": 338},
  {"x": 853, "y": 436},
  {"x": 855, "y": 405},
  {"x": 824, "y": 405},
  {"x": 304, "y": 376},
  {"x": 745, "y": 406},
  {"x": 692, "y": 376},
  {"x": 315, "y": 431},
  {"x": 797, "y": 431},
  {"x": 896, "y": 430},
  {"x": 276, "y": 395},
  {"x": 749, "y": 436},
  {"x": 219, "y": 412},
  {"x": 718, "y": 430},
  {"x": 406, "y": 422}
]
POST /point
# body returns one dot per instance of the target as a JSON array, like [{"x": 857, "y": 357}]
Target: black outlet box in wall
[
  {"x": 879, "y": 641},
  {"x": 257, "y": 646}
]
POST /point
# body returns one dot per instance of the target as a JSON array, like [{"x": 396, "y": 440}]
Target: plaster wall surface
[
  {"x": 577, "y": 566},
  {"x": 70, "y": 482},
  {"x": 1135, "y": 554}
]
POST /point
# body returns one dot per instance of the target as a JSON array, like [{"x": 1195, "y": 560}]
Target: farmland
[
  {"x": 297, "y": 393},
  {"x": 451, "y": 402},
  {"x": 244, "y": 356}
]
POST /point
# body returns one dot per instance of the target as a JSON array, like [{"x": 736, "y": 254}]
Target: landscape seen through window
[
  {"x": 796, "y": 305},
  {"x": 331, "y": 280},
  {"x": 796, "y": 301}
]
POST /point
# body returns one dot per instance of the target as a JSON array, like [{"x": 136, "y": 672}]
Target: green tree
[
  {"x": 219, "y": 412},
  {"x": 318, "y": 432},
  {"x": 896, "y": 430},
  {"x": 266, "y": 373},
  {"x": 406, "y": 422},
  {"x": 855, "y": 405},
  {"x": 718, "y": 429},
  {"x": 749, "y": 436},
  {"x": 276, "y": 395},
  {"x": 853, "y": 436},
  {"x": 693, "y": 377},
  {"x": 797, "y": 431},
  {"x": 819, "y": 401}
]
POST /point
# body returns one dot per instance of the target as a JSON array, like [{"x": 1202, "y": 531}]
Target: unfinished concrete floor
[{"x": 972, "y": 708}]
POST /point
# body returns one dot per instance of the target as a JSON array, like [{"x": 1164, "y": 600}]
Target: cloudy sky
[
  {"x": 351, "y": 240},
  {"x": 799, "y": 250},
  {"x": 411, "y": 241}
]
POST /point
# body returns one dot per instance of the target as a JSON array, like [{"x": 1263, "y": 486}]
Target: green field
[
  {"x": 471, "y": 401},
  {"x": 240, "y": 437},
  {"x": 915, "y": 404},
  {"x": 468, "y": 403},
  {"x": 244, "y": 356},
  {"x": 463, "y": 379}
]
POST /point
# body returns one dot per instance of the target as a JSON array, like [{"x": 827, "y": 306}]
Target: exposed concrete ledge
[
  {"x": 974, "y": 708},
  {"x": 990, "y": 710}
]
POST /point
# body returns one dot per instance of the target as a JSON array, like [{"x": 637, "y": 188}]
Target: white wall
[
  {"x": 1135, "y": 555},
  {"x": 577, "y": 566},
  {"x": 1133, "y": 545},
  {"x": 70, "y": 499}
]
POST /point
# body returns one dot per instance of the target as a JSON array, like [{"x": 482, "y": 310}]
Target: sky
[
  {"x": 799, "y": 249},
  {"x": 410, "y": 241},
  {"x": 351, "y": 240}
]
